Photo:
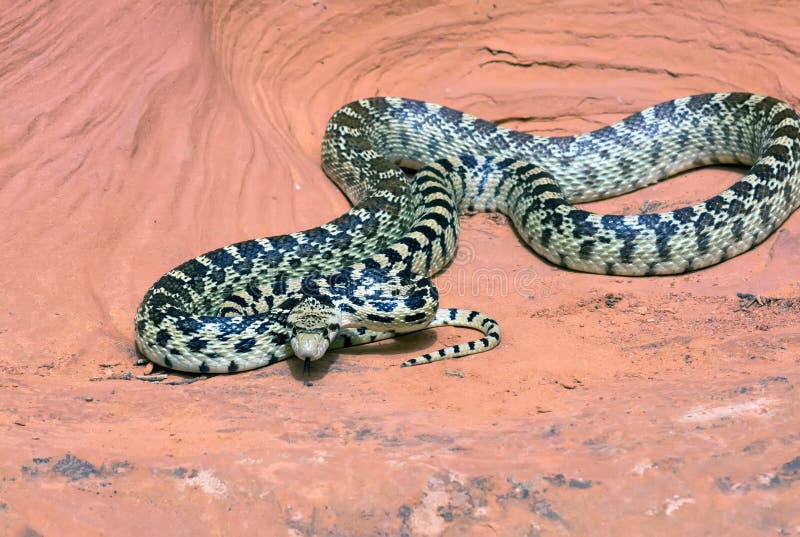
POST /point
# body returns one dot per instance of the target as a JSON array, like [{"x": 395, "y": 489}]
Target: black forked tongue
[{"x": 306, "y": 367}]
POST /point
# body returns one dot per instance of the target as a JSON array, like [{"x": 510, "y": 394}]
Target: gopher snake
[{"x": 364, "y": 275}]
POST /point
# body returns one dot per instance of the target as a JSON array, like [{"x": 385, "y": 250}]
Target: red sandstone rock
[{"x": 135, "y": 135}]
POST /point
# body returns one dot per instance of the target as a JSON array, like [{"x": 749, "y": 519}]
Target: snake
[{"x": 410, "y": 168}]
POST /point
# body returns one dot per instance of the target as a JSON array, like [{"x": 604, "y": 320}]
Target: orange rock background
[{"x": 135, "y": 135}]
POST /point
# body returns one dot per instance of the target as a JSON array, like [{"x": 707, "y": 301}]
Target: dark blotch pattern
[{"x": 244, "y": 345}]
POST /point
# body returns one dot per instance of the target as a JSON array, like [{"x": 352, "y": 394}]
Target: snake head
[{"x": 314, "y": 322}]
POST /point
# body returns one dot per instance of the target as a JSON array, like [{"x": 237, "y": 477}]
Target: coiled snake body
[{"x": 364, "y": 276}]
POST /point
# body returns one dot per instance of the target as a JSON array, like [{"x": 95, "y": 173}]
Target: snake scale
[{"x": 365, "y": 275}]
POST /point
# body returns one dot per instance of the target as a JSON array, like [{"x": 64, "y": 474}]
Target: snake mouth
[{"x": 309, "y": 345}]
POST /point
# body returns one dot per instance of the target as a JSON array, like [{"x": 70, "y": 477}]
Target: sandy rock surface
[{"x": 137, "y": 134}]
